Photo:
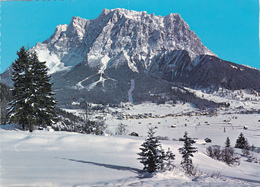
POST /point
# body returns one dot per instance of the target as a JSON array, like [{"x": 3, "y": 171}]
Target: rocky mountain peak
[
  {"x": 100, "y": 57},
  {"x": 127, "y": 13},
  {"x": 55, "y": 36},
  {"x": 139, "y": 36}
]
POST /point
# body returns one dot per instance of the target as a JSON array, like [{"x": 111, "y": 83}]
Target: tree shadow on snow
[
  {"x": 246, "y": 180},
  {"x": 116, "y": 167}
]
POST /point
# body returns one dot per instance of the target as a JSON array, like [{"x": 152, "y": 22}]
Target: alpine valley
[
  {"x": 118, "y": 75},
  {"x": 125, "y": 55}
]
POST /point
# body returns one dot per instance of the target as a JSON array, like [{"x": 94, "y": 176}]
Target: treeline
[
  {"x": 178, "y": 94},
  {"x": 5, "y": 98}
]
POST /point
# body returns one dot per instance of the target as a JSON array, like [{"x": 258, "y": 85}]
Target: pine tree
[
  {"x": 227, "y": 143},
  {"x": 20, "y": 108},
  {"x": 242, "y": 142},
  {"x": 152, "y": 154},
  {"x": 5, "y": 97},
  {"x": 187, "y": 153},
  {"x": 32, "y": 102},
  {"x": 42, "y": 94},
  {"x": 168, "y": 160}
]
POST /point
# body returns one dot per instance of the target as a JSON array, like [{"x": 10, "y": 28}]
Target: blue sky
[{"x": 229, "y": 28}]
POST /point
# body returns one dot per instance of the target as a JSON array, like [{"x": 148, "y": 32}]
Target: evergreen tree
[
  {"x": 242, "y": 142},
  {"x": 42, "y": 94},
  {"x": 169, "y": 157},
  {"x": 152, "y": 154},
  {"x": 5, "y": 97},
  {"x": 187, "y": 153},
  {"x": 20, "y": 108},
  {"x": 227, "y": 143},
  {"x": 32, "y": 102}
]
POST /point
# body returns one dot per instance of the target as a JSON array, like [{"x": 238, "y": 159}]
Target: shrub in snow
[
  {"x": 152, "y": 154},
  {"x": 251, "y": 158},
  {"x": 187, "y": 153},
  {"x": 95, "y": 127},
  {"x": 214, "y": 152},
  {"x": 162, "y": 137},
  {"x": 226, "y": 154},
  {"x": 134, "y": 134},
  {"x": 245, "y": 152},
  {"x": 121, "y": 129}
]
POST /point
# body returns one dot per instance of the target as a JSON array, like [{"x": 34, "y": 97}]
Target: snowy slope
[
  {"x": 45, "y": 158},
  {"x": 53, "y": 62},
  {"x": 245, "y": 99}
]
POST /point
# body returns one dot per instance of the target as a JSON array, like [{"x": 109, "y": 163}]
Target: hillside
[{"x": 46, "y": 158}]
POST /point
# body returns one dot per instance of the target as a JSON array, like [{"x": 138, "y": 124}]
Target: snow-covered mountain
[
  {"x": 135, "y": 36},
  {"x": 96, "y": 60}
]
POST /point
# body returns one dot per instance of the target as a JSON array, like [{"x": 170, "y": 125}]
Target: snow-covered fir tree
[
  {"x": 152, "y": 154},
  {"x": 5, "y": 97},
  {"x": 242, "y": 142},
  {"x": 20, "y": 107},
  {"x": 168, "y": 160},
  {"x": 42, "y": 94},
  {"x": 227, "y": 143},
  {"x": 187, "y": 153},
  {"x": 32, "y": 101}
]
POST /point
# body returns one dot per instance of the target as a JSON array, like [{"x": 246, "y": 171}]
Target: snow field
[
  {"x": 45, "y": 158},
  {"x": 199, "y": 127},
  {"x": 64, "y": 159}
]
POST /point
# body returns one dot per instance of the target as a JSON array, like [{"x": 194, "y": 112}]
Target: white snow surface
[
  {"x": 46, "y": 158},
  {"x": 237, "y": 98}
]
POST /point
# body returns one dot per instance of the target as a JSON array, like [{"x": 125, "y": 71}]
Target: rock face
[
  {"x": 115, "y": 35},
  {"x": 95, "y": 60}
]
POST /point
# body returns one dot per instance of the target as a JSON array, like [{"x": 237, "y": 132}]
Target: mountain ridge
[
  {"x": 95, "y": 60},
  {"x": 81, "y": 34}
]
